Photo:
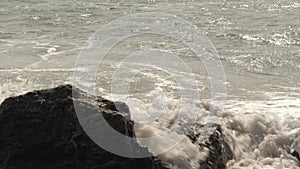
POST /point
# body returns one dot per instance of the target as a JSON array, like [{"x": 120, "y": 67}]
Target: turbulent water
[{"x": 257, "y": 41}]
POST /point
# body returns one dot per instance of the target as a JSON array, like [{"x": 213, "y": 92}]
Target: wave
[
  {"x": 258, "y": 135},
  {"x": 261, "y": 134}
]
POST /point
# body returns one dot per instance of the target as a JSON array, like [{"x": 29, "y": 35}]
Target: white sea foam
[
  {"x": 260, "y": 141},
  {"x": 175, "y": 118},
  {"x": 261, "y": 133}
]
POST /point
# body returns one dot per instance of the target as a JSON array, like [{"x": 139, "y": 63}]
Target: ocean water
[{"x": 258, "y": 43}]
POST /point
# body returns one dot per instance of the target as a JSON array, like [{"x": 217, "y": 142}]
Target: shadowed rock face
[
  {"x": 40, "y": 130},
  {"x": 219, "y": 150},
  {"x": 296, "y": 154}
]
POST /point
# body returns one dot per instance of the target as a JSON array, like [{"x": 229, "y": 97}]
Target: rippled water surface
[{"x": 258, "y": 42}]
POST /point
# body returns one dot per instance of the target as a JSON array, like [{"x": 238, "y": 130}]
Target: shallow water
[{"x": 258, "y": 42}]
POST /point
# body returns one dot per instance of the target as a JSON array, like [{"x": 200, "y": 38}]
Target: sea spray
[{"x": 257, "y": 139}]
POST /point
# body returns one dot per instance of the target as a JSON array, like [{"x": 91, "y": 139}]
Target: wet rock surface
[
  {"x": 219, "y": 150},
  {"x": 40, "y": 130},
  {"x": 296, "y": 155}
]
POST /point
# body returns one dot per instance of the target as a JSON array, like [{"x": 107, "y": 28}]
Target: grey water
[{"x": 258, "y": 42}]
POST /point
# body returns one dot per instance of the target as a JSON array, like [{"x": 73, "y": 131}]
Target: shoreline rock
[
  {"x": 40, "y": 130},
  {"x": 219, "y": 150}
]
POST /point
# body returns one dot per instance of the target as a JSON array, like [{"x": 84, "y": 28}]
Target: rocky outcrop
[
  {"x": 296, "y": 155},
  {"x": 40, "y": 130},
  {"x": 219, "y": 150}
]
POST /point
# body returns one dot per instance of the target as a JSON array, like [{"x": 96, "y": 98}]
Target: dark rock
[
  {"x": 219, "y": 150},
  {"x": 40, "y": 130},
  {"x": 296, "y": 154}
]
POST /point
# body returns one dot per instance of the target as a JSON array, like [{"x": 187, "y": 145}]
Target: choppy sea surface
[{"x": 258, "y": 42}]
